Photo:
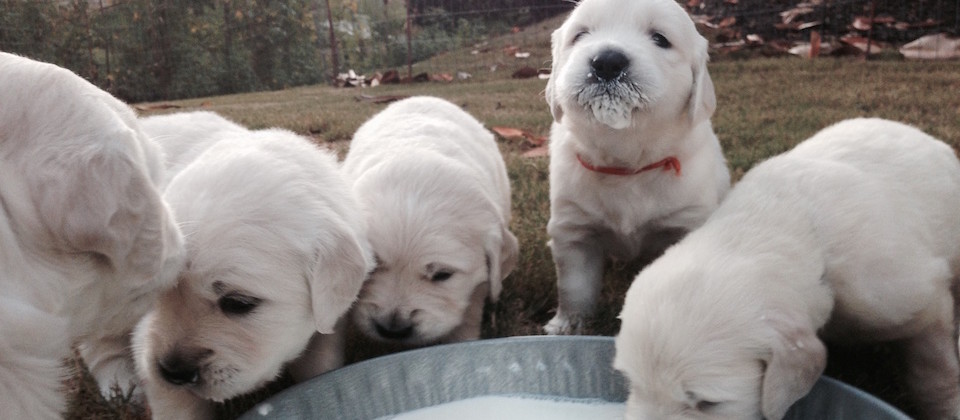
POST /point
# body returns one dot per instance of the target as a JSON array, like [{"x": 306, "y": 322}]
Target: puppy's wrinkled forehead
[{"x": 619, "y": 18}]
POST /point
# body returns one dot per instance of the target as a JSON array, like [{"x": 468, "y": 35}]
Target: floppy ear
[
  {"x": 341, "y": 264},
  {"x": 550, "y": 92},
  {"x": 98, "y": 200},
  {"x": 703, "y": 98},
  {"x": 502, "y": 253},
  {"x": 795, "y": 360}
]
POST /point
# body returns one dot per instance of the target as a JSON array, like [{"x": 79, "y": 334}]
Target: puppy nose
[
  {"x": 609, "y": 64},
  {"x": 179, "y": 370},
  {"x": 395, "y": 329}
]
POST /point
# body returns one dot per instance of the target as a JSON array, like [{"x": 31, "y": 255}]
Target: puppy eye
[
  {"x": 578, "y": 36},
  {"x": 441, "y": 276},
  {"x": 234, "y": 304},
  {"x": 704, "y": 405},
  {"x": 661, "y": 40}
]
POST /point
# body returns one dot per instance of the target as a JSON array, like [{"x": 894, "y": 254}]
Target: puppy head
[
  {"x": 82, "y": 188},
  {"x": 694, "y": 348},
  {"x": 270, "y": 263},
  {"x": 441, "y": 247},
  {"x": 621, "y": 63}
]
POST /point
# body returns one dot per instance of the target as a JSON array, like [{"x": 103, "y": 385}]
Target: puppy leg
[
  {"x": 31, "y": 389},
  {"x": 111, "y": 363},
  {"x": 579, "y": 265},
  {"x": 31, "y": 375},
  {"x": 324, "y": 353},
  {"x": 933, "y": 368}
]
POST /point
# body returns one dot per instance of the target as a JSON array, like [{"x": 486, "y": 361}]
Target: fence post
[
  {"x": 334, "y": 59},
  {"x": 409, "y": 43},
  {"x": 873, "y": 14}
]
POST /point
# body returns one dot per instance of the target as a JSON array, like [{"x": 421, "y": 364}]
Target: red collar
[{"x": 668, "y": 164}]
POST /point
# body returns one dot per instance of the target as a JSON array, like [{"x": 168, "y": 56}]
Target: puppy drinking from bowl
[
  {"x": 276, "y": 253},
  {"x": 434, "y": 190},
  {"x": 853, "y": 235},
  {"x": 634, "y": 161}
]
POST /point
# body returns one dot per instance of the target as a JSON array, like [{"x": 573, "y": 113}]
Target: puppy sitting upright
[
  {"x": 634, "y": 162},
  {"x": 854, "y": 235},
  {"x": 276, "y": 252},
  {"x": 434, "y": 190}
]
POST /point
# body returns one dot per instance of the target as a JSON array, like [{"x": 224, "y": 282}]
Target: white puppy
[
  {"x": 634, "y": 162},
  {"x": 183, "y": 137},
  {"x": 434, "y": 190},
  {"x": 276, "y": 252},
  {"x": 855, "y": 234},
  {"x": 86, "y": 243}
]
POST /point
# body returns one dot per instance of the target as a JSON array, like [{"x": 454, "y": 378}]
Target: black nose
[
  {"x": 609, "y": 65},
  {"x": 395, "y": 329},
  {"x": 178, "y": 370}
]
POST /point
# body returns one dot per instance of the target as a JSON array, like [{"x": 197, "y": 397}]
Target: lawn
[{"x": 765, "y": 106}]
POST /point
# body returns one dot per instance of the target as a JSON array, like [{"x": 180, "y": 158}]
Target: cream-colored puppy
[
  {"x": 276, "y": 252},
  {"x": 434, "y": 190},
  {"x": 854, "y": 234},
  {"x": 86, "y": 243},
  {"x": 183, "y": 137},
  {"x": 634, "y": 161}
]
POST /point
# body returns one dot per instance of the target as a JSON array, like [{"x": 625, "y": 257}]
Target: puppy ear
[
  {"x": 100, "y": 201},
  {"x": 550, "y": 92},
  {"x": 795, "y": 360},
  {"x": 343, "y": 260},
  {"x": 703, "y": 98},
  {"x": 502, "y": 253}
]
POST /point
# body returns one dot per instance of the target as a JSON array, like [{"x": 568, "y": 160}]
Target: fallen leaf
[
  {"x": 529, "y": 139},
  {"x": 536, "y": 152},
  {"x": 508, "y": 132},
  {"x": 727, "y": 22},
  {"x": 155, "y": 107},
  {"x": 382, "y": 99}
]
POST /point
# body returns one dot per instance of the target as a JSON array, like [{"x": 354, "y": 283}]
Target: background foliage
[{"x": 143, "y": 50}]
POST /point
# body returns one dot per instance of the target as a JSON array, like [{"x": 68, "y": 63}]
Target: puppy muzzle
[{"x": 183, "y": 369}]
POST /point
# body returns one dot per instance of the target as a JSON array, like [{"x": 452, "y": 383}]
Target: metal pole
[
  {"x": 873, "y": 14},
  {"x": 333, "y": 44},
  {"x": 409, "y": 43}
]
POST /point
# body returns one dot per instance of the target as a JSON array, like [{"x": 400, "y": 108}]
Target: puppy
[
  {"x": 183, "y": 136},
  {"x": 276, "y": 252},
  {"x": 854, "y": 234},
  {"x": 86, "y": 242},
  {"x": 634, "y": 161},
  {"x": 434, "y": 190}
]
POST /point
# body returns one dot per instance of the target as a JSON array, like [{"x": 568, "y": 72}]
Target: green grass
[{"x": 765, "y": 106}]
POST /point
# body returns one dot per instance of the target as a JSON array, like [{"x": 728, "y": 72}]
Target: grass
[{"x": 765, "y": 106}]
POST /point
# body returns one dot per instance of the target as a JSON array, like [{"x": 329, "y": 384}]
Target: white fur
[
  {"x": 855, "y": 234},
  {"x": 269, "y": 220},
  {"x": 86, "y": 243},
  {"x": 434, "y": 190},
  {"x": 661, "y": 107}
]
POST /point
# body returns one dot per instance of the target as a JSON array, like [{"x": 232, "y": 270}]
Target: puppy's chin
[{"x": 612, "y": 103}]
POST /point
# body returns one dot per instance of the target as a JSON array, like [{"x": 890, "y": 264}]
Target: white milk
[{"x": 519, "y": 408}]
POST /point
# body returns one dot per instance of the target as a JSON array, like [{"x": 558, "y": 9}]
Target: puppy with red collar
[{"x": 634, "y": 160}]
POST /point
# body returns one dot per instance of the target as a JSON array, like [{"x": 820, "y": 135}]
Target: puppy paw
[{"x": 564, "y": 325}]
